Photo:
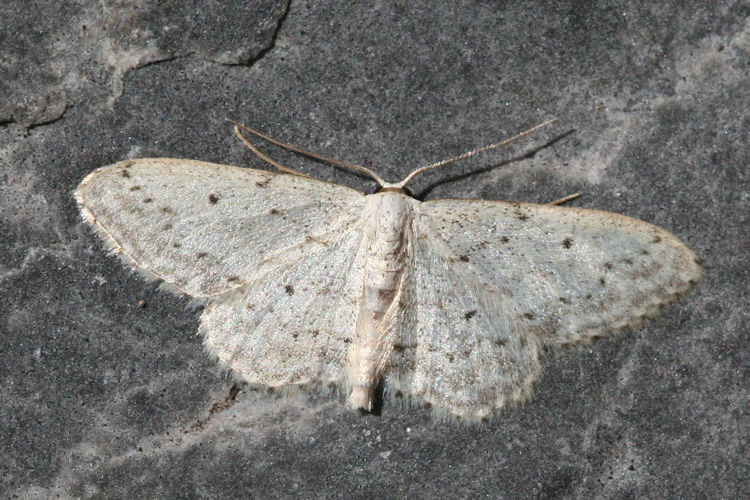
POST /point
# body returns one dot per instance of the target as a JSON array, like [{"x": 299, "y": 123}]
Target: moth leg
[{"x": 565, "y": 199}]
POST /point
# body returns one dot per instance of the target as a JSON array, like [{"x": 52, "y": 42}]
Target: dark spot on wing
[
  {"x": 464, "y": 258},
  {"x": 567, "y": 243},
  {"x": 499, "y": 342},
  {"x": 233, "y": 279},
  {"x": 398, "y": 394},
  {"x": 347, "y": 340},
  {"x": 403, "y": 347},
  {"x": 565, "y": 300},
  {"x": 176, "y": 245},
  {"x": 263, "y": 183},
  {"x": 167, "y": 210},
  {"x": 602, "y": 280},
  {"x": 450, "y": 357},
  {"x": 469, "y": 315},
  {"x": 644, "y": 251},
  {"x": 528, "y": 315},
  {"x": 628, "y": 261},
  {"x": 273, "y": 211},
  {"x": 657, "y": 239},
  {"x": 200, "y": 255},
  {"x": 212, "y": 198},
  {"x": 295, "y": 335},
  {"x": 315, "y": 333},
  {"x": 312, "y": 239},
  {"x": 607, "y": 266},
  {"x": 135, "y": 188},
  {"x": 428, "y": 405},
  {"x": 504, "y": 239},
  {"x": 289, "y": 289},
  {"x": 125, "y": 173},
  {"x": 148, "y": 200}
]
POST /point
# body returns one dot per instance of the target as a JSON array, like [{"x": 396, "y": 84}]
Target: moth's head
[{"x": 390, "y": 188}]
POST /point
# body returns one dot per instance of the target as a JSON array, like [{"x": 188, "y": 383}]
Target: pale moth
[{"x": 448, "y": 303}]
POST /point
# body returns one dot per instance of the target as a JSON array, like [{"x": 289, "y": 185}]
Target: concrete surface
[{"x": 106, "y": 398}]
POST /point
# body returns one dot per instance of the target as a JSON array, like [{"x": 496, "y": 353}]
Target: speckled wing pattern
[
  {"x": 293, "y": 323},
  {"x": 276, "y": 256},
  {"x": 492, "y": 282},
  {"x": 204, "y": 228}
]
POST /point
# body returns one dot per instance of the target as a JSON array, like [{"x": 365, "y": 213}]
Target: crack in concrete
[
  {"x": 217, "y": 408},
  {"x": 274, "y": 36},
  {"x": 121, "y": 70}
]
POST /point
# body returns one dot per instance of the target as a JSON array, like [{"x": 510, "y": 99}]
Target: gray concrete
[{"x": 103, "y": 398}]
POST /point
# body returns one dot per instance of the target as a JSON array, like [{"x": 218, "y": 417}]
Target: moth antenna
[
  {"x": 265, "y": 158},
  {"x": 471, "y": 153},
  {"x": 304, "y": 152}
]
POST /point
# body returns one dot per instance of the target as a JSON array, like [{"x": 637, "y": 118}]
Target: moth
[{"x": 446, "y": 303}]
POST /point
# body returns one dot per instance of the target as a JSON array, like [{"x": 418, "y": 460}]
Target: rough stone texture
[{"x": 102, "y": 397}]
